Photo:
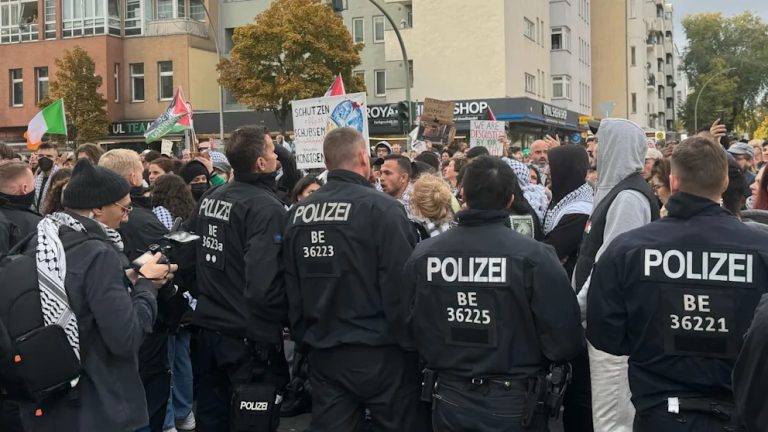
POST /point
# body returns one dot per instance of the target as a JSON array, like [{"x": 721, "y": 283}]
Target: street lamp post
[
  {"x": 405, "y": 62},
  {"x": 215, "y": 31},
  {"x": 696, "y": 105}
]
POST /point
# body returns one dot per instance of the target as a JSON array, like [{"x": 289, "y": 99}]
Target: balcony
[
  {"x": 392, "y": 50},
  {"x": 177, "y": 26}
]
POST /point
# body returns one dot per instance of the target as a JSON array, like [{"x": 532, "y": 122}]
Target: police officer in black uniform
[
  {"x": 242, "y": 305},
  {"x": 345, "y": 246},
  {"x": 678, "y": 295},
  {"x": 490, "y": 310},
  {"x": 17, "y": 194}
]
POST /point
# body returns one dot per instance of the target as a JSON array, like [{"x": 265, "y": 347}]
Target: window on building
[
  {"x": 659, "y": 64},
  {"x": 113, "y": 17},
  {"x": 632, "y": 9},
  {"x": 529, "y": 29},
  {"x": 360, "y": 74},
  {"x": 670, "y": 103},
  {"x": 83, "y": 17},
  {"x": 17, "y": 88},
  {"x": 133, "y": 17},
  {"x": 380, "y": 82},
  {"x": 116, "y": 82},
  {"x": 561, "y": 87},
  {"x": 181, "y": 8},
  {"x": 41, "y": 89},
  {"x": 197, "y": 10},
  {"x": 543, "y": 84},
  {"x": 137, "y": 82},
  {"x": 229, "y": 36},
  {"x": 164, "y": 9},
  {"x": 165, "y": 80},
  {"x": 378, "y": 29},
  {"x": 18, "y": 20},
  {"x": 50, "y": 19},
  {"x": 561, "y": 38},
  {"x": 358, "y": 30},
  {"x": 633, "y": 56},
  {"x": 669, "y": 59},
  {"x": 530, "y": 83},
  {"x": 634, "y": 103}
]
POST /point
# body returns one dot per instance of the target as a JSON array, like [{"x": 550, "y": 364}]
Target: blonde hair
[
  {"x": 431, "y": 198},
  {"x": 121, "y": 161}
]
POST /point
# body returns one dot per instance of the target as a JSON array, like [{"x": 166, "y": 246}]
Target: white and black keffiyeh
[
  {"x": 578, "y": 201},
  {"x": 52, "y": 272}
]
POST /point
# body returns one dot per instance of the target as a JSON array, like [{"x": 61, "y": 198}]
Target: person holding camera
[
  {"x": 112, "y": 310},
  {"x": 242, "y": 306}
]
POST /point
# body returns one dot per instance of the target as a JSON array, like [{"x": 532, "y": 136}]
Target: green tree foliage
[
  {"x": 77, "y": 82},
  {"x": 292, "y": 51},
  {"x": 716, "y": 44}
]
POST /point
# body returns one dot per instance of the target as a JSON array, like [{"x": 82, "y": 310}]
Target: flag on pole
[
  {"x": 488, "y": 114},
  {"x": 177, "y": 118},
  {"x": 337, "y": 88},
  {"x": 50, "y": 120}
]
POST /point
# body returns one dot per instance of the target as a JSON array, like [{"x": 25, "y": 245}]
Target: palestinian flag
[
  {"x": 51, "y": 120},
  {"x": 488, "y": 114},
  {"x": 177, "y": 118},
  {"x": 337, "y": 88}
]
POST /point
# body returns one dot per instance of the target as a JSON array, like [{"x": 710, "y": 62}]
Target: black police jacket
[
  {"x": 239, "y": 268},
  {"x": 16, "y": 223},
  {"x": 486, "y": 301},
  {"x": 677, "y": 296},
  {"x": 345, "y": 246}
]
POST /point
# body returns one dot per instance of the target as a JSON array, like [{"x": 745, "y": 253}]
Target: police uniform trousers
[
  {"x": 155, "y": 372},
  {"x": 347, "y": 380},
  {"x": 225, "y": 362},
  {"x": 463, "y": 406},
  {"x": 658, "y": 419},
  {"x": 577, "y": 404}
]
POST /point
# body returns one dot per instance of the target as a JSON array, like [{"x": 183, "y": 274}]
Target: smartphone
[{"x": 720, "y": 116}]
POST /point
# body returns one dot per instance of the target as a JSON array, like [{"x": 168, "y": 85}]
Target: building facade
[
  {"x": 143, "y": 50},
  {"x": 634, "y": 70},
  {"x": 571, "y": 55}
]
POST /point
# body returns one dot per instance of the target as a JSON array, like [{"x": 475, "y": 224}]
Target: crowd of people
[{"x": 220, "y": 288}]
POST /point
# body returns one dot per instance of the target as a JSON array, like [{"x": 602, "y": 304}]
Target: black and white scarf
[
  {"x": 578, "y": 201},
  {"x": 52, "y": 272}
]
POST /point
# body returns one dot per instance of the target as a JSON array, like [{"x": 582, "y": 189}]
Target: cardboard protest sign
[
  {"x": 314, "y": 118},
  {"x": 486, "y": 133},
  {"x": 436, "y": 121}
]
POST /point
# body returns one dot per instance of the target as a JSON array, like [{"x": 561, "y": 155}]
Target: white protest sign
[
  {"x": 314, "y": 118},
  {"x": 486, "y": 133},
  {"x": 166, "y": 147}
]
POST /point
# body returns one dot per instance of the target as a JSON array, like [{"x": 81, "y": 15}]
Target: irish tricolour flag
[{"x": 50, "y": 120}]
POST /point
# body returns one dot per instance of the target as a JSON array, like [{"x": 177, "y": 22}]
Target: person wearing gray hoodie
[{"x": 623, "y": 201}]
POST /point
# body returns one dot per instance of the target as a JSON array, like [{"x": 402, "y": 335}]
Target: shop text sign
[{"x": 129, "y": 128}]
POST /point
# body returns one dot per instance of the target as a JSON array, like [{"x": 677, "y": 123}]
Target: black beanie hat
[
  {"x": 193, "y": 169},
  {"x": 93, "y": 187}
]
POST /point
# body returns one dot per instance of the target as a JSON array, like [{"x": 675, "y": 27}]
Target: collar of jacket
[
  {"x": 139, "y": 199},
  {"x": 348, "y": 177},
  {"x": 471, "y": 217},
  {"x": 263, "y": 180},
  {"x": 93, "y": 227},
  {"x": 683, "y": 205}
]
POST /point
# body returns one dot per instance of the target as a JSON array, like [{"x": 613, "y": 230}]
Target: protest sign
[
  {"x": 436, "y": 122},
  {"x": 314, "y": 118},
  {"x": 486, "y": 133}
]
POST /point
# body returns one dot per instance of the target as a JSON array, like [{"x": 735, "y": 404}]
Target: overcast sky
[{"x": 727, "y": 8}]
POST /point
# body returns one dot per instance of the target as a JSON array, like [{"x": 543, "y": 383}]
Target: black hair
[
  {"x": 244, "y": 147},
  {"x": 402, "y": 162},
  {"x": 152, "y": 155},
  {"x": 171, "y": 192},
  {"x": 48, "y": 145},
  {"x": 429, "y": 158},
  {"x": 302, "y": 185},
  {"x": 489, "y": 183},
  {"x": 477, "y": 152},
  {"x": 418, "y": 167},
  {"x": 733, "y": 196}
]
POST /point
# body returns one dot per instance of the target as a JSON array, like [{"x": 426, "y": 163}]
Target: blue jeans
[{"x": 180, "y": 401}]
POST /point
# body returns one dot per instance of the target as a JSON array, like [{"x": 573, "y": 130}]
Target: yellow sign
[
  {"x": 660, "y": 135},
  {"x": 584, "y": 120}
]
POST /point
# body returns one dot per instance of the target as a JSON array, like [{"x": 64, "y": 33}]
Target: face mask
[
  {"x": 45, "y": 164},
  {"x": 24, "y": 201},
  {"x": 198, "y": 189}
]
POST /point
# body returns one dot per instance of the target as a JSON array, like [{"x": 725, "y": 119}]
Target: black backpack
[{"x": 36, "y": 361}]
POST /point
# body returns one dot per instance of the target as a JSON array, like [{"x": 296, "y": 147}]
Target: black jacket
[
  {"x": 486, "y": 301},
  {"x": 239, "y": 267},
  {"x": 750, "y": 373},
  {"x": 16, "y": 223},
  {"x": 677, "y": 296},
  {"x": 111, "y": 393},
  {"x": 345, "y": 246},
  {"x": 143, "y": 227}
]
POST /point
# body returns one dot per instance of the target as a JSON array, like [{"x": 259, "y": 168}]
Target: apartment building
[
  {"x": 634, "y": 62},
  {"x": 143, "y": 51}
]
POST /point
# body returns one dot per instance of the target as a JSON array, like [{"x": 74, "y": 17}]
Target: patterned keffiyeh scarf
[
  {"x": 52, "y": 271},
  {"x": 578, "y": 201}
]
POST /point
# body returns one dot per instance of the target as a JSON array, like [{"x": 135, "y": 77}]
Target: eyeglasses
[{"x": 126, "y": 210}]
